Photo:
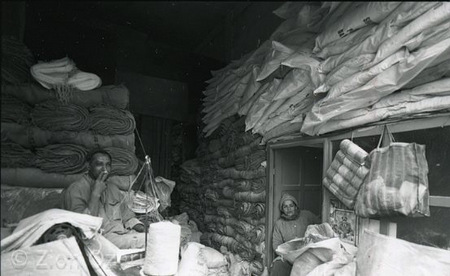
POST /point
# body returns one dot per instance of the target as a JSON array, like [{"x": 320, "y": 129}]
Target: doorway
[{"x": 296, "y": 170}]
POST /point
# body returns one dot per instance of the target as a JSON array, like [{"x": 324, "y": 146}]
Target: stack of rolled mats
[
  {"x": 226, "y": 187},
  {"x": 347, "y": 172},
  {"x": 45, "y": 142}
]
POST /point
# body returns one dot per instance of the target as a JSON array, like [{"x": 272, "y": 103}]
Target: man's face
[
  {"x": 289, "y": 208},
  {"x": 99, "y": 164}
]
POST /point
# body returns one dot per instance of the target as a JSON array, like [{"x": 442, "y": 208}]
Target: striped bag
[
  {"x": 347, "y": 172},
  {"x": 397, "y": 183}
]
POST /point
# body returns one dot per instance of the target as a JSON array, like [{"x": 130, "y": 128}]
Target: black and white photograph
[{"x": 225, "y": 138}]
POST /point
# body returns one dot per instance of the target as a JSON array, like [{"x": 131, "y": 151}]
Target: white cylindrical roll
[{"x": 163, "y": 245}]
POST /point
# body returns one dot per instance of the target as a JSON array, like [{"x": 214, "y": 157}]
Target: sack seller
[
  {"x": 90, "y": 195},
  {"x": 291, "y": 224}
]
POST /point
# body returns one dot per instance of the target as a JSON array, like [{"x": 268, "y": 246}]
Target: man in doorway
[{"x": 90, "y": 195}]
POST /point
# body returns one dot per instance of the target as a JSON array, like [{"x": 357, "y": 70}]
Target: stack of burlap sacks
[
  {"x": 335, "y": 65},
  {"x": 224, "y": 192},
  {"x": 45, "y": 142},
  {"x": 47, "y": 146}
]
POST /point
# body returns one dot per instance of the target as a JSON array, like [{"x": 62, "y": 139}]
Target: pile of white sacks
[{"x": 336, "y": 65}]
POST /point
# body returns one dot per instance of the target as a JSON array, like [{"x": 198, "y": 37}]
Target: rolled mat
[
  {"x": 63, "y": 158},
  {"x": 14, "y": 110},
  {"x": 114, "y": 95},
  {"x": 250, "y": 196},
  {"x": 111, "y": 121},
  {"x": 36, "y": 178},
  {"x": 235, "y": 174},
  {"x": 31, "y": 137},
  {"x": 15, "y": 156},
  {"x": 247, "y": 209},
  {"x": 124, "y": 162},
  {"x": 54, "y": 116}
]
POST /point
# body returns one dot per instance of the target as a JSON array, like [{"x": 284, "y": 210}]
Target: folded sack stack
[
  {"x": 224, "y": 191},
  {"x": 45, "y": 141},
  {"x": 337, "y": 65},
  {"x": 329, "y": 66}
]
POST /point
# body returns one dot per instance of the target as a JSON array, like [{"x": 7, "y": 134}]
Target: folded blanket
[
  {"x": 111, "y": 121},
  {"x": 250, "y": 196},
  {"x": 63, "y": 72},
  {"x": 84, "y": 81},
  {"x": 15, "y": 111},
  {"x": 31, "y": 137},
  {"x": 54, "y": 116},
  {"x": 124, "y": 162},
  {"x": 115, "y": 95},
  {"x": 248, "y": 209},
  {"x": 36, "y": 178},
  {"x": 15, "y": 156},
  {"x": 53, "y": 73},
  {"x": 63, "y": 158}
]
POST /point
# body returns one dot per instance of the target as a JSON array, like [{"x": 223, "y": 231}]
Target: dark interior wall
[
  {"x": 242, "y": 32},
  {"x": 51, "y": 35},
  {"x": 13, "y": 19},
  {"x": 253, "y": 26}
]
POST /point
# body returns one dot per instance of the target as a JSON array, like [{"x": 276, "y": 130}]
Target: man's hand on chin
[{"x": 139, "y": 228}]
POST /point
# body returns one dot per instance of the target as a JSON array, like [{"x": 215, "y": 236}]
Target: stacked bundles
[
  {"x": 63, "y": 159},
  {"x": 272, "y": 86},
  {"x": 124, "y": 162},
  {"x": 397, "y": 54},
  {"x": 54, "y": 116},
  {"x": 110, "y": 121},
  {"x": 56, "y": 136},
  {"x": 347, "y": 172},
  {"x": 15, "y": 156},
  {"x": 225, "y": 190},
  {"x": 16, "y": 61},
  {"x": 330, "y": 59},
  {"x": 15, "y": 111},
  {"x": 113, "y": 95},
  {"x": 30, "y": 136}
]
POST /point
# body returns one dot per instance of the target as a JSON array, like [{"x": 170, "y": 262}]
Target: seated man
[{"x": 90, "y": 195}]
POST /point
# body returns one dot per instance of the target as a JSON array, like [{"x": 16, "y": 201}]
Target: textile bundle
[
  {"x": 15, "y": 111},
  {"x": 124, "y": 161},
  {"x": 408, "y": 42},
  {"x": 15, "y": 156},
  {"x": 391, "y": 189},
  {"x": 224, "y": 189},
  {"x": 36, "y": 178},
  {"x": 30, "y": 137},
  {"x": 55, "y": 116},
  {"x": 347, "y": 172},
  {"x": 63, "y": 72},
  {"x": 113, "y": 95},
  {"x": 111, "y": 121},
  {"x": 323, "y": 63},
  {"x": 63, "y": 158}
]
